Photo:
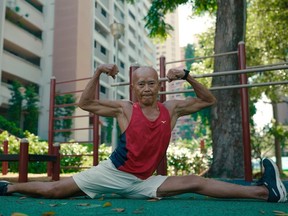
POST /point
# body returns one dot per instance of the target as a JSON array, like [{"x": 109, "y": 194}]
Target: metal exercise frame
[{"x": 162, "y": 169}]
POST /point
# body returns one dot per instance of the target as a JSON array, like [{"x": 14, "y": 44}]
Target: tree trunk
[
  {"x": 278, "y": 154},
  {"x": 226, "y": 114}
]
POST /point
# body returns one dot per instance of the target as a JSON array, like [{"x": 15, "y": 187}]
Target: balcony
[
  {"x": 27, "y": 14},
  {"x": 18, "y": 67},
  {"x": 22, "y": 38},
  {"x": 5, "y": 94}
]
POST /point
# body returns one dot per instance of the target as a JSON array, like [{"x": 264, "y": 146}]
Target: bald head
[{"x": 144, "y": 71}]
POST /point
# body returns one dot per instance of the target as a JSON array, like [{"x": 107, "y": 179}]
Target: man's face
[{"x": 146, "y": 85}]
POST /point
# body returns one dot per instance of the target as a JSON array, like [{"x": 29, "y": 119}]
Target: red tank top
[{"x": 144, "y": 143}]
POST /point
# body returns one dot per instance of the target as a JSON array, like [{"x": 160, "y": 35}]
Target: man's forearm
[
  {"x": 200, "y": 90},
  {"x": 88, "y": 94}
]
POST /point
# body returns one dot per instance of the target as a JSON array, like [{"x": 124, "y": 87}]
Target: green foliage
[
  {"x": 201, "y": 6},
  {"x": 69, "y": 161},
  {"x": 267, "y": 40},
  {"x": 10, "y": 126},
  {"x": 31, "y": 109},
  {"x": 155, "y": 18},
  {"x": 189, "y": 53},
  {"x": 280, "y": 132},
  {"x": 104, "y": 152},
  {"x": 37, "y": 146},
  {"x": 108, "y": 129},
  {"x": 15, "y": 103},
  {"x": 24, "y": 103},
  {"x": 62, "y": 112},
  {"x": 185, "y": 157}
]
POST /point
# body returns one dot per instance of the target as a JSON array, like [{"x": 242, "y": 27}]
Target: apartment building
[
  {"x": 173, "y": 53},
  {"x": 89, "y": 33},
  {"x": 68, "y": 39},
  {"x": 26, "y": 48}
]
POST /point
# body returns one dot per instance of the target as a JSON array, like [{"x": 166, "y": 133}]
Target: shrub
[
  {"x": 185, "y": 157},
  {"x": 10, "y": 126}
]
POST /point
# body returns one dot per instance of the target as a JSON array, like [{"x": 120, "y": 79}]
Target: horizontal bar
[
  {"x": 66, "y": 105},
  {"x": 233, "y": 72},
  {"x": 69, "y": 81},
  {"x": 89, "y": 142},
  {"x": 31, "y": 157},
  {"x": 204, "y": 57},
  {"x": 71, "y": 92},
  {"x": 268, "y": 65},
  {"x": 75, "y": 155},
  {"x": 68, "y": 130},
  {"x": 230, "y": 87},
  {"x": 71, "y": 117}
]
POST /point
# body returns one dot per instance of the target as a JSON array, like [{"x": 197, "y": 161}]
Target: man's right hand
[{"x": 109, "y": 69}]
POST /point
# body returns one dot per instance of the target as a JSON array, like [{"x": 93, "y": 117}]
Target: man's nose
[{"x": 146, "y": 87}]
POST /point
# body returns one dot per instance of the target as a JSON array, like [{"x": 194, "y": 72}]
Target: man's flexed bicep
[
  {"x": 180, "y": 108},
  {"x": 88, "y": 101}
]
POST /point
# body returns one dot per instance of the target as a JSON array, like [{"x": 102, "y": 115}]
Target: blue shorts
[{"x": 106, "y": 178}]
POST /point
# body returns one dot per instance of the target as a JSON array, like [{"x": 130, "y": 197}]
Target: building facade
[
  {"x": 174, "y": 57},
  {"x": 26, "y": 49},
  {"x": 85, "y": 37},
  {"x": 67, "y": 40}
]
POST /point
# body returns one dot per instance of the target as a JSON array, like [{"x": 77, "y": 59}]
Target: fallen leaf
[
  {"x": 118, "y": 209},
  {"x": 107, "y": 204},
  {"x": 18, "y": 214},
  {"x": 48, "y": 214},
  {"x": 83, "y": 204},
  {"x": 101, "y": 198},
  {"x": 91, "y": 206},
  {"x": 280, "y": 213},
  {"x": 63, "y": 203},
  {"x": 54, "y": 204},
  {"x": 262, "y": 211},
  {"x": 138, "y": 211},
  {"x": 153, "y": 200}
]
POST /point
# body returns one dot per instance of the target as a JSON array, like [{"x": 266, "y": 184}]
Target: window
[
  {"x": 103, "y": 50},
  {"x": 122, "y": 65},
  {"x": 103, "y": 12},
  {"x": 102, "y": 89},
  {"x": 95, "y": 44},
  {"x": 131, "y": 15}
]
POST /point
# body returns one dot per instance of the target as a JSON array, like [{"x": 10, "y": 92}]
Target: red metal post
[
  {"x": 23, "y": 161},
  {"x": 131, "y": 95},
  {"x": 245, "y": 113},
  {"x": 162, "y": 168},
  {"x": 96, "y": 131},
  {"x": 51, "y": 124},
  {"x": 56, "y": 164},
  {"x": 5, "y": 163}
]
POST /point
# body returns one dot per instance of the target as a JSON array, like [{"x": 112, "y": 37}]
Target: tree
[
  {"x": 66, "y": 111},
  {"x": 189, "y": 53},
  {"x": 268, "y": 45},
  {"x": 226, "y": 124},
  {"x": 15, "y": 104},
  {"x": 31, "y": 109},
  {"x": 23, "y": 107}
]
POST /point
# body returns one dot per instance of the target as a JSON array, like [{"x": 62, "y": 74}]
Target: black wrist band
[{"x": 186, "y": 74}]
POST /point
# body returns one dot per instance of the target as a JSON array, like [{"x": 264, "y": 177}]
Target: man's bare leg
[
  {"x": 195, "y": 184},
  {"x": 58, "y": 189},
  {"x": 270, "y": 186}
]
